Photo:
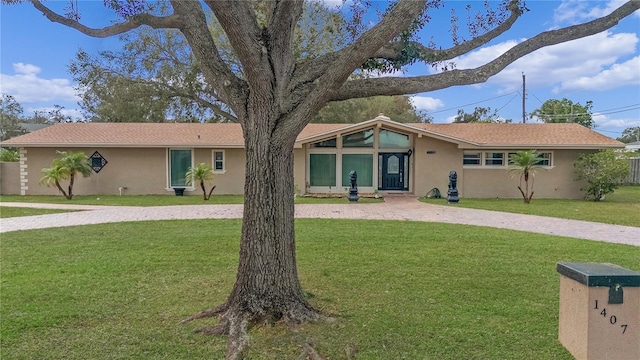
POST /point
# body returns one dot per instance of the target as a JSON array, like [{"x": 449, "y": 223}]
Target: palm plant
[
  {"x": 524, "y": 165},
  {"x": 66, "y": 166},
  {"x": 201, "y": 173}
]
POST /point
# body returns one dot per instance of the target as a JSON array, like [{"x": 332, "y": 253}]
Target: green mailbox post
[{"x": 599, "y": 311}]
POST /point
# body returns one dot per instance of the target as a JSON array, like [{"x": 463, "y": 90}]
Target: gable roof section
[{"x": 466, "y": 136}]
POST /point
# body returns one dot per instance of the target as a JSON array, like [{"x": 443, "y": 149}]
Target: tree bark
[{"x": 267, "y": 282}]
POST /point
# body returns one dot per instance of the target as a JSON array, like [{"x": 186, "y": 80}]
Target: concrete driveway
[{"x": 394, "y": 208}]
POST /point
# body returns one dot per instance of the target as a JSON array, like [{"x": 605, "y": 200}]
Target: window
[
  {"x": 393, "y": 140},
  {"x": 362, "y": 164},
  {"x": 218, "y": 161},
  {"x": 546, "y": 159},
  {"x": 330, "y": 143},
  {"x": 322, "y": 170},
  {"x": 471, "y": 158},
  {"x": 494, "y": 159},
  {"x": 179, "y": 163},
  {"x": 359, "y": 139}
]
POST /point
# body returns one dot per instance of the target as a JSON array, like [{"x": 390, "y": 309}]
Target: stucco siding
[
  {"x": 229, "y": 182},
  {"x": 138, "y": 171},
  {"x": 299, "y": 173},
  {"x": 433, "y": 159},
  {"x": 9, "y": 178},
  {"x": 551, "y": 182}
]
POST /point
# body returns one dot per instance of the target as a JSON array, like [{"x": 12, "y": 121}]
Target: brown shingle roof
[
  {"x": 230, "y": 135},
  {"x": 525, "y": 135},
  {"x": 134, "y": 135}
]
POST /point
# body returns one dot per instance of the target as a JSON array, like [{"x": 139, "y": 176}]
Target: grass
[
  {"x": 400, "y": 290},
  {"x": 125, "y": 200},
  {"x": 161, "y": 200},
  {"x": 620, "y": 208},
  {"x": 7, "y": 211}
]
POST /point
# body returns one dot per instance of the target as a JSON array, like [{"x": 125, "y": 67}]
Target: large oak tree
[{"x": 277, "y": 96}]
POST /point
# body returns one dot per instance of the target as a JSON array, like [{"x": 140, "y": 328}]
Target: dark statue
[
  {"x": 452, "y": 193},
  {"x": 353, "y": 190}
]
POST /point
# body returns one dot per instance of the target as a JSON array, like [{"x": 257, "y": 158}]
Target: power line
[
  {"x": 473, "y": 103},
  {"x": 605, "y": 112}
]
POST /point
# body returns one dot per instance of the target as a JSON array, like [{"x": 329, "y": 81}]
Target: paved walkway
[{"x": 394, "y": 208}]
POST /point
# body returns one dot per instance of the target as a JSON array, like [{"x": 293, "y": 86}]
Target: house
[
  {"x": 152, "y": 158},
  {"x": 633, "y": 146}
]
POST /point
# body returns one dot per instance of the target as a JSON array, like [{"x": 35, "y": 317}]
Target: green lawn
[
  {"x": 621, "y": 208},
  {"x": 125, "y": 200},
  {"x": 6, "y": 211},
  {"x": 399, "y": 290},
  {"x": 161, "y": 200}
]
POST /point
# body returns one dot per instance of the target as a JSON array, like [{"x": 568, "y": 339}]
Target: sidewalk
[{"x": 400, "y": 208}]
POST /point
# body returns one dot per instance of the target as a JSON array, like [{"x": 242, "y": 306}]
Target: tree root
[
  {"x": 235, "y": 321},
  {"x": 310, "y": 353},
  {"x": 216, "y": 311}
]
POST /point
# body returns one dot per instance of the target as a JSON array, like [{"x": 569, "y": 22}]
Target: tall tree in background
[
  {"x": 10, "y": 117},
  {"x": 480, "y": 114},
  {"x": 630, "y": 135},
  {"x": 398, "y": 108},
  {"x": 277, "y": 94},
  {"x": 565, "y": 111}
]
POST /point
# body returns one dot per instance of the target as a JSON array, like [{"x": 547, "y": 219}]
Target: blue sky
[{"x": 604, "y": 68}]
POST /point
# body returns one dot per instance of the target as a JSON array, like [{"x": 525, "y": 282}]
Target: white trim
[
  {"x": 224, "y": 161},
  {"x": 505, "y": 164}
]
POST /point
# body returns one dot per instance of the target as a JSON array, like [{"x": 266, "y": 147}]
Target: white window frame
[
  {"x": 213, "y": 161},
  {"x": 474, "y": 152},
  {"x": 484, "y": 158},
  {"x": 487, "y": 158},
  {"x": 550, "y": 159}
]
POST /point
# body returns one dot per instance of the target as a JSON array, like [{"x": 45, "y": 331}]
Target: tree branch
[
  {"x": 238, "y": 20},
  {"x": 305, "y": 104},
  {"x": 282, "y": 21},
  {"x": 417, "y": 84},
  {"x": 229, "y": 88},
  {"x": 171, "y": 21},
  {"x": 392, "y": 51}
]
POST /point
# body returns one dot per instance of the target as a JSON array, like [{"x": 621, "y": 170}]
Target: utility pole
[{"x": 524, "y": 94}]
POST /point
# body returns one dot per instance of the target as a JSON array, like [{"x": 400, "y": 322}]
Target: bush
[
  {"x": 603, "y": 171},
  {"x": 9, "y": 155}
]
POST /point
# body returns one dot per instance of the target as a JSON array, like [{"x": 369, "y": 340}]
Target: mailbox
[{"x": 599, "y": 311}]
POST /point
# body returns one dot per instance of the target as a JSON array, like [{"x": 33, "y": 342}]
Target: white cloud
[
  {"x": 27, "y": 87},
  {"x": 26, "y": 69},
  {"x": 627, "y": 73},
  {"x": 332, "y": 4},
  {"x": 563, "y": 65},
  {"x": 426, "y": 103},
  {"x": 572, "y": 12}
]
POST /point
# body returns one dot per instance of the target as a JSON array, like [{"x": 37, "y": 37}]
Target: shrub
[
  {"x": 9, "y": 155},
  {"x": 603, "y": 172}
]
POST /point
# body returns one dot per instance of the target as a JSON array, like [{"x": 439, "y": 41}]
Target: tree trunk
[
  {"x": 267, "y": 287},
  {"x": 267, "y": 282},
  {"x": 71, "y": 180}
]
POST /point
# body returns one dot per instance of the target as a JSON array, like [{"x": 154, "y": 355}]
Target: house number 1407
[{"x": 612, "y": 319}]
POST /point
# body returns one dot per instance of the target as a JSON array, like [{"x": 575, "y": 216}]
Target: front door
[{"x": 393, "y": 171}]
